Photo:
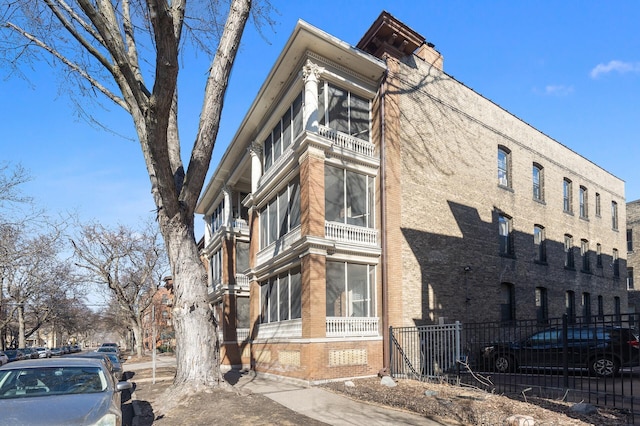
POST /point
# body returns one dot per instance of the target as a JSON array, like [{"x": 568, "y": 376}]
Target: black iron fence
[{"x": 590, "y": 359}]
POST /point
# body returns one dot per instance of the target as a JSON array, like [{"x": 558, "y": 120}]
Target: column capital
[
  {"x": 311, "y": 71},
  {"x": 255, "y": 148}
]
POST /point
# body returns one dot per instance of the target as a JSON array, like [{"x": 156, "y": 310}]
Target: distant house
[
  {"x": 366, "y": 188},
  {"x": 157, "y": 319}
]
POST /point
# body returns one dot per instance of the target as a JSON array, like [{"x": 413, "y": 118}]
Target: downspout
[{"x": 386, "y": 344}]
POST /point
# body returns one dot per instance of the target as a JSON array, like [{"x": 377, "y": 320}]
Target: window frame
[
  {"x": 584, "y": 202},
  {"x": 569, "y": 261},
  {"x": 505, "y": 240},
  {"x": 630, "y": 283},
  {"x": 349, "y": 273},
  {"x": 614, "y": 215},
  {"x": 537, "y": 179},
  {"x": 584, "y": 253},
  {"x": 540, "y": 244},
  {"x": 567, "y": 195},
  {"x": 504, "y": 166},
  {"x": 326, "y": 116}
]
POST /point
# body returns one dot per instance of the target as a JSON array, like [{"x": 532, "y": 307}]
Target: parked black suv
[{"x": 602, "y": 350}]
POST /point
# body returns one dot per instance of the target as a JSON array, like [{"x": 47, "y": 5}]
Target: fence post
[
  {"x": 565, "y": 352},
  {"x": 391, "y": 350}
]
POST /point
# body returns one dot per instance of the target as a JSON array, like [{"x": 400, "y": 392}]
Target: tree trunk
[
  {"x": 195, "y": 328},
  {"x": 138, "y": 337},
  {"x": 21, "y": 338}
]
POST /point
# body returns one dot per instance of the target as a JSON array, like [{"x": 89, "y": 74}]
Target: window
[
  {"x": 242, "y": 312},
  {"x": 506, "y": 237},
  {"x": 630, "y": 279},
  {"x": 540, "y": 244},
  {"x": 570, "y": 306},
  {"x": 280, "y": 297},
  {"x": 242, "y": 257},
  {"x": 599, "y": 255},
  {"x": 348, "y": 197},
  {"x": 350, "y": 290},
  {"x": 217, "y": 218},
  {"x": 584, "y": 213},
  {"x": 281, "y": 214},
  {"x": 629, "y": 240},
  {"x": 586, "y": 307},
  {"x": 538, "y": 193},
  {"x": 216, "y": 268},
  {"x": 343, "y": 111},
  {"x": 598, "y": 211},
  {"x": 584, "y": 252},
  {"x": 568, "y": 251},
  {"x": 504, "y": 167},
  {"x": 567, "y": 190},
  {"x": 614, "y": 215},
  {"x": 600, "y": 307},
  {"x": 284, "y": 132},
  {"x": 616, "y": 308},
  {"x": 542, "y": 305},
  {"x": 508, "y": 303},
  {"x": 616, "y": 263}
]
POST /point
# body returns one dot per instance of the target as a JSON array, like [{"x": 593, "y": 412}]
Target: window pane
[
  {"x": 277, "y": 142},
  {"x": 242, "y": 256},
  {"x": 358, "y": 290},
  {"x": 359, "y": 117},
  {"x": 537, "y": 194},
  {"x": 284, "y": 296},
  {"x": 268, "y": 153},
  {"x": 286, "y": 130},
  {"x": 321, "y": 102},
  {"x": 242, "y": 312},
  {"x": 283, "y": 212},
  {"x": 297, "y": 116},
  {"x": 294, "y": 203},
  {"x": 264, "y": 227},
  {"x": 356, "y": 199},
  {"x": 264, "y": 302},
  {"x": 296, "y": 295},
  {"x": 336, "y": 290},
  {"x": 334, "y": 194},
  {"x": 503, "y": 168},
  {"x": 371, "y": 201},
  {"x": 273, "y": 299},
  {"x": 337, "y": 109},
  {"x": 503, "y": 229},
  {"x": 273, "y": 221}
]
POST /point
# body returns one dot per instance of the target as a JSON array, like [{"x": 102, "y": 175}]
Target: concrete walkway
[{"x": 313, "y": 402}]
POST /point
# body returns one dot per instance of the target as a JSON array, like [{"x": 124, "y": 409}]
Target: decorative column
[
  {"x": 255, "y": 150},
  {"x": 227, "y": 205},
  {"x": 311, "y": 72}
]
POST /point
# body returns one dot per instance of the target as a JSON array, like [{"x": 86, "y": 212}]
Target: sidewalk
[{"x": 313, "y": 402}]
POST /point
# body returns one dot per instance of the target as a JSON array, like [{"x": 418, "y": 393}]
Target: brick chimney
[{"x": 389, "y": 36}]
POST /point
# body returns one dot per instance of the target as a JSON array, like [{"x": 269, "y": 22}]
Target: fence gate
[{"x": 425, "y": 352}]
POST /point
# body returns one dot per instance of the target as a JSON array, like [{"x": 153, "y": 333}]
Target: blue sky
[{"x": 571, "y": 69}]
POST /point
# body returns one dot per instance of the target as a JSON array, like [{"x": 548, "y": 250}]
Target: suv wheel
[
  {"x": 604, "y": 367},
  {"x": 503, "y": 364}
]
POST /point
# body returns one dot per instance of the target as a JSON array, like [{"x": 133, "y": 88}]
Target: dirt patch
[
  {"x": 214, "y": 407},
  {"x": 448, "y": 404},
  {"x": 455, "y": 405}
]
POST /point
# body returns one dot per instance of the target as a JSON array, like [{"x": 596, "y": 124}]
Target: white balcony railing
[
  {"x": 242, "y": 281},
  {"x": 347, "y": 142},
  {"x": 352, "y": 327},
  {"x": 290, "y": 328},
  {"x": 349, "y": 233},
  {"x": 240, "y": 225},
  {"x": 277, "y": 247}
]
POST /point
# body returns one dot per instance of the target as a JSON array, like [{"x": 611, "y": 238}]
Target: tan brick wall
[
  {"x": 319, "y": 360},
  {"x": 313, "y": 296},
  {"x": 633, "y": 256},
  {"x": 449, "y": 199}
]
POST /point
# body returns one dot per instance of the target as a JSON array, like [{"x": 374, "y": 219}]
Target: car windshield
[
  {"x": 28, "y": 382},
  {"x": 107, "y": 349}
]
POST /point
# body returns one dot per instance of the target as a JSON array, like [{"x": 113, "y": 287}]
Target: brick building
[
  {"x": 633, "y": 254},
  {"x": 367, "y": 188}
]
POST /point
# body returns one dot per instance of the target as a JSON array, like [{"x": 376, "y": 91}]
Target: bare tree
[
  {"x": 130, "y": 51},
  {"x": 129, "y": 265}
]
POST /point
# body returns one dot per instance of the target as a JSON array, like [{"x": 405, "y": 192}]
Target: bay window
[
  {"x": 350, "y": 290},
  {"x": 343, "y": 111},
  {"x": 348, "y": 197},
  {"x": 280, "y": 297}
]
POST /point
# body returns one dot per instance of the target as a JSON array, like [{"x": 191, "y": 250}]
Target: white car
[
  {"x": 43, "y": 352},
  {"x": 3, "y": 358}
]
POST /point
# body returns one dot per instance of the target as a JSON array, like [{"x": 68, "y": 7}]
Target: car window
[
  {"x": 579, "y": 334},
  {"x": 28, "y": 382},
  {"x": 546, "y": 337}
]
